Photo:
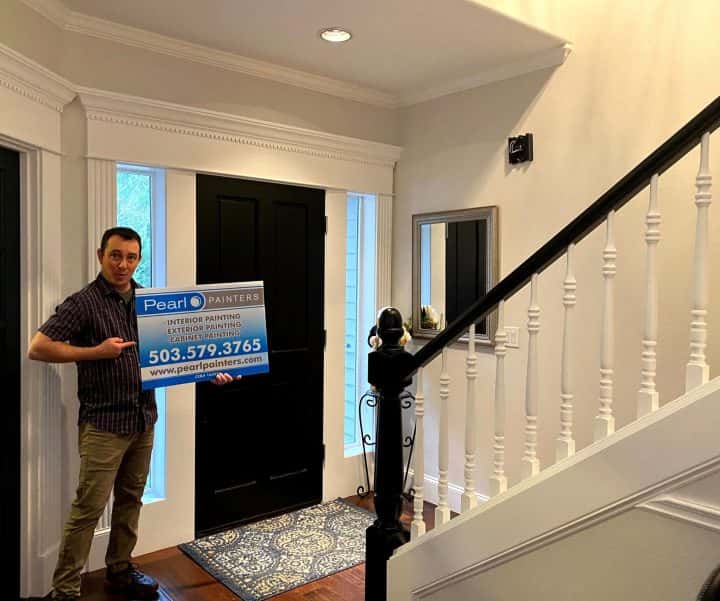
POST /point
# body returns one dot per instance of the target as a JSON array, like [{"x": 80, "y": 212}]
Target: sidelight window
[
  {"x": 359, "y": 312},
  {"x": 141, "y": 206}
]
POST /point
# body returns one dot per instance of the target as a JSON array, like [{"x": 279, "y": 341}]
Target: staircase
[
  {"x": 618, "y": 520},
  {"x": 593, "y": 526}
]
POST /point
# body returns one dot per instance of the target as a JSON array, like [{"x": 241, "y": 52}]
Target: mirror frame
[{"x": 489, "y": 214}]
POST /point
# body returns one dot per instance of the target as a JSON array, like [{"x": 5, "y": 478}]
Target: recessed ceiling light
[{"x": 335, "y": 34}]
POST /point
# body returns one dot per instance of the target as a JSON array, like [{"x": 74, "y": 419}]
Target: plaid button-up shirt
[{"x": 109, "y": 390}]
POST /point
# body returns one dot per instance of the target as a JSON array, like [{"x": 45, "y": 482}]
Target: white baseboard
[{"x": 430, "y": 492}]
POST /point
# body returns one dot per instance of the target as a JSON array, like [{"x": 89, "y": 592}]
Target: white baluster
[
  {"x": 468, "y": 499},
  {"x": 697, "y": 371},
  {"x": 648, "y": 398},
  {"x": 498, "y": 481},
  {"x": 530, "y": 461},
  {"x": 565, "y": 446},
  {"x": 442, "y": 511},
  {"x": 605, "y": 420},
  {"x": 417, "y": 527}
]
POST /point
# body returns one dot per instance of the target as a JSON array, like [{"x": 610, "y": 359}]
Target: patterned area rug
[{"x": 267, "y": 558}]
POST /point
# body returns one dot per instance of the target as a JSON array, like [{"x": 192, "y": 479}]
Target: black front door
[
  {"x": 10, "y": 368},
  {"x": 259, "y": 441}
]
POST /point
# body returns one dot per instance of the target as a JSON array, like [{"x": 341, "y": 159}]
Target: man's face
[{"x": 119, "y": 261}]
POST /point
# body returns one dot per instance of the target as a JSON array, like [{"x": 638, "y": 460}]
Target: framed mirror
[{"x": 455, "y": 262}]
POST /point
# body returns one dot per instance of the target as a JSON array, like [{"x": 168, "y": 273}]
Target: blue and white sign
[{"x": 192, "y": 334}]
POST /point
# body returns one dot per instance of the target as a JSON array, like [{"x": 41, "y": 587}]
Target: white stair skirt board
[
  {"x": 609, "y": 477},
  {"x": 685, "y": 510}
]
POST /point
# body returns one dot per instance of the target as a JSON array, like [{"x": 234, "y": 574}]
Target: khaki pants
[{"x": 108, "y": 462}]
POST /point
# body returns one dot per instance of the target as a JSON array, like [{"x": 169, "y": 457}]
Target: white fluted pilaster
[
  {"x": 498, "y": 480},
  {"x": 442, "y": 511},
  {"x": 605, "y": 420},
  {"x": 530, "y": 461},
  {"x": 565, "y": 445},
  {"x": 383, "y": 254},
  {"x": 102, "y": 206},
  {"x": 102, "y": 214},
  {"x": 697, "y": 371},
  {"x": 417, "y": 527},
  {"x": 648, "y": 398},
  {"x": 468, "y": 500}
]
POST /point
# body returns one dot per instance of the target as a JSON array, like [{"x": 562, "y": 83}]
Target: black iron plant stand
[
  {"x": 387, "y": 533},
  {"x": 370, "y": 398}
]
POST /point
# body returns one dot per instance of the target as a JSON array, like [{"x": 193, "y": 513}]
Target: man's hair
[{"x": 126, "y": 233}]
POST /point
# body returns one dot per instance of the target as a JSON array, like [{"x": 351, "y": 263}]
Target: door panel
[
  {"x": 466, "y": 274},
  {"x": 259, "y": 444},
  {"x": 10, "y": 367}
]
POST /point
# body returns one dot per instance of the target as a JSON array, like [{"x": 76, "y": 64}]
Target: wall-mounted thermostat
[{"x": 520, "y": 149}]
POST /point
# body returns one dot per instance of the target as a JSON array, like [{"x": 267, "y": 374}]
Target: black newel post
[{"x": 387, "y": 533}]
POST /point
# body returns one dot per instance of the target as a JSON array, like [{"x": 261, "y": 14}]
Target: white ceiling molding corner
[
  {"x": 32, "y": 80},
  {"x": 550, "y": 58},
  {"x": 164, "y": 116},
  {"x": 53, "y": 10}
]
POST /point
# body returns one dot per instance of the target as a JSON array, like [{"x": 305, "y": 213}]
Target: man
[{"x": 97, "y": 329}]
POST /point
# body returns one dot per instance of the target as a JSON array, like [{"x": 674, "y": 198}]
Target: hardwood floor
[{"x": 181, "y": 579}]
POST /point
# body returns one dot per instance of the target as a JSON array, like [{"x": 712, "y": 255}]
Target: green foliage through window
[{"x": 134, "y": 209}]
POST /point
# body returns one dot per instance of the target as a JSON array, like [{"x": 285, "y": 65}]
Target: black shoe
[
  {"x": 132, "y": 583},
  {"x": 53, "y": 596}
]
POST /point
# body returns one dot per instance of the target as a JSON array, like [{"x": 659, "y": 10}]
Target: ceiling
[{"x": 405, "y": 49}]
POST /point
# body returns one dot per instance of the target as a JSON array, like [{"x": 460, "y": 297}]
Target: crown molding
[
  {"x": 77, "y": 22},
  {"x": 140, "y": 38},
  {"x": 53, "y": 10},
  {"x": 543, "y": 60},
  {"x": 685, "y": 510},
  {"x": 58, "y": 13},
  {"x": 31, "y": 80},
  {"x": 173, "y": 118}
]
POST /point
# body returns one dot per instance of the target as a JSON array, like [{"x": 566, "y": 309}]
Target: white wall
[
  {"x": 637, "y": 73},
  {"x": 31, "y": 34}
]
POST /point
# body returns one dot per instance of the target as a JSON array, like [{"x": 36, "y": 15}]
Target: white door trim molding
[
  {"x": 40, "y": 393},
  {"x": 225, "y": 127},
  {"x": 33, "y": 98},
  {"x": 130, "y": 129}
]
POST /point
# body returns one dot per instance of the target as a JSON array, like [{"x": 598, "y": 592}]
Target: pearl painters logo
[
  {"x": 196, "y": 302},
  {"x": 188, "y": 302},
  {"x": 158, "y": 304}
]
